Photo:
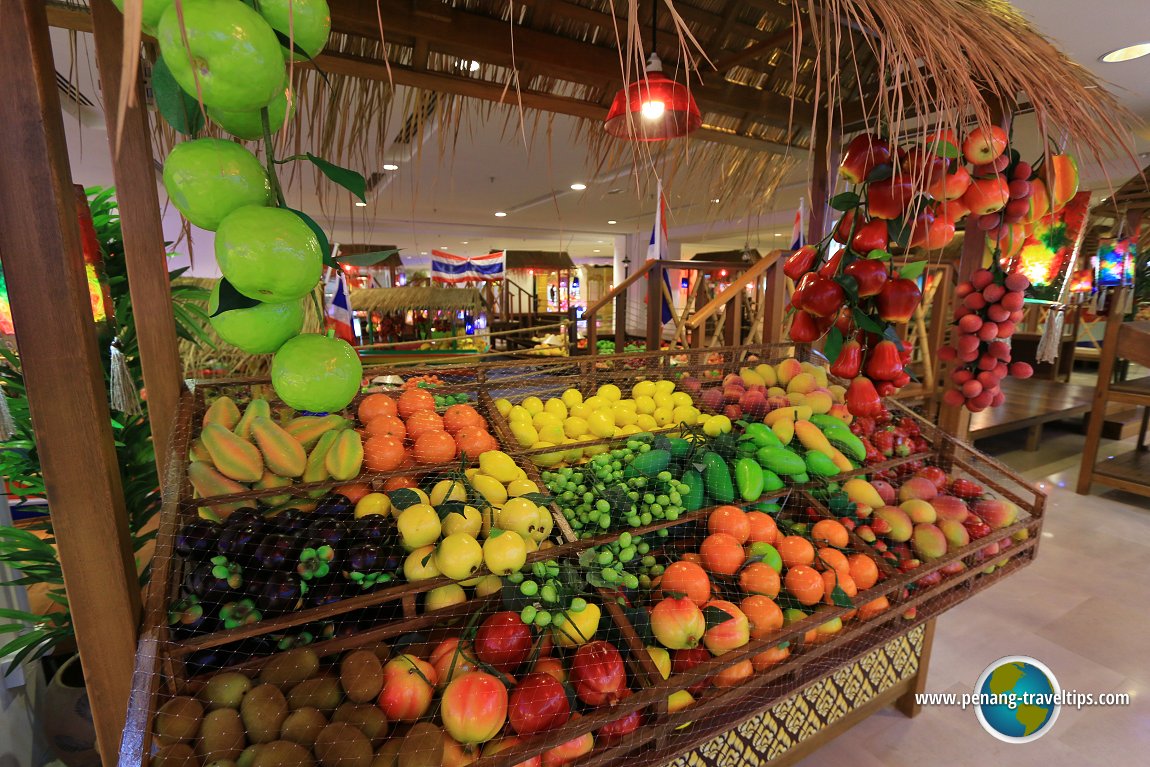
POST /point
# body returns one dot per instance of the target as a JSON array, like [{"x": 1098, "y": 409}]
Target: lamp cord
[{"x": 655, "y": 27}]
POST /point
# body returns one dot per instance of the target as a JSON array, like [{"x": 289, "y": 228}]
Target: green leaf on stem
[
  {"x": 715, "y": 616},
  {"x": 851, "y": 286},
  {"x": 324, "y": 245},
  {"x": 879, "y": 255},
  {"x": 899, "y": 231},
  {"x": 867, "y": 323},
  {"x": 844, "y": 201},
  {"x": 404, "y": 497},
  {"x": 180, "y": 109},
  {"x": 834, "y": 344},
  {"x": 912, "y": 271},
  {"x": 880, "y": 173},
  {"x": 946, "y": 149},
  {"x": 839, "y": 597},
  {"x": 350, "y": 180},
  {"x": 230, "y": 299}
]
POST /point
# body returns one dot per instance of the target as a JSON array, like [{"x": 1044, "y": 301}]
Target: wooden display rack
[{"x": 160, "y": 670}]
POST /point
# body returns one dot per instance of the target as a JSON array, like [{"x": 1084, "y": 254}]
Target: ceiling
[{"x": 447, "y": 190}]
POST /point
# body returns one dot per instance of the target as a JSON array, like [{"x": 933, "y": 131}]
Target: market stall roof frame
[
  {"x": 401, "y": 299},
  {"x": 547, "y": 260}
]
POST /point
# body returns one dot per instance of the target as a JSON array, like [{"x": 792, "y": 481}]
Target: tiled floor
[{"x": 1081, "y": 608}]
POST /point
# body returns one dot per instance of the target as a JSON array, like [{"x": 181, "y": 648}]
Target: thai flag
[
  {"x": 453, "y": 270},
  {"x": 339, "y": 315},
  {"x": 658, "y": 249},
  {"x": 797, "y": 229}
]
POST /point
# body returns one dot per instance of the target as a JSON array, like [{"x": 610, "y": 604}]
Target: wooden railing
[
  {"x": 618, "y": 295},
  {"x": 772, "y": 293}
]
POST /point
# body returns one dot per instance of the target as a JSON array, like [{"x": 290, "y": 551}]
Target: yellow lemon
[
  {"x": 625, "y": 404},
  {"x": 490, "y": 488},
  {"x": 681, "y": 399},
  {"x": 593, "y": 450},
  {"x": 546, "y": 459},
  {"x": 575, "y": 426},
  {"x": 518, "y": 413},
  {"x": 663, "y": 399},
  {"x": 572, "y": 397},
  {"x": 662, "y": 660},
  {"x": 518, "y": 487},
  {"x": 602, "y": 424},
  {"x": 447, "y": 490},
  {"x": 496, "y": 463},
  {"x": 629, "y": 429},
  {"x": 546, "y": 419},
  {"x": 556, "y": 407},
  {"x": 503, "y": 406},
  {"x": 552, "y": 433},
  {"x": 595, "y": 402},
  {"x": 572, "y": 455},
  {"x": 579, "y": 411},
  {"x": 624, "y": 417},
  {"x": 646, "y": 422},
  {"x": 687, "y": 414},
  {"x": 645, "y": 404},
  {"x": 664, "y": 386},
  {"x": 525, "y": 434},
  {"x": 533, "y": 405},
  {"x": 643, "y": 389},
  {"x": 610, "y": 392},
  {"x": 664, "y": 416},
  {"x": 373, "y": 503}
]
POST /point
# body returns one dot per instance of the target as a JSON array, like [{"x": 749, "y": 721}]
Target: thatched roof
[
  {"x": 401, "y": 299},
  {"x": 539, "y": 259}
]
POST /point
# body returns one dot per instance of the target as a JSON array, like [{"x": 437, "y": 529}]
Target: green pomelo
[
  {"x": 250, "y": 125},
  {"x": 209, "y": 178},
  {"x": 317, "y": 373},
  {"x": 260, "y": 329},
  {"x": 268, "y": 254},
  {"x": 153, "y": 10},
  {"x": 232, "y": 59},
  {"x": 306, "y": 22}
]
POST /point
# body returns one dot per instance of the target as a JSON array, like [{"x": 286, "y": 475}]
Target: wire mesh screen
[{"x": 569, "y": 560}]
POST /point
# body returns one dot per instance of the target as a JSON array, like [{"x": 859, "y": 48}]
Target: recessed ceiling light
[
  {"x": 715, "y": 200},
  {"x": 359, "y": 204},
  {"x": 1136, "y": 51},
  {"x": 473, "y": 66},
  {"x": 500, "y": 214},
  {"x": 390, "y": 166},
  {"x": 612, "y": 222},
  {"x": 778, "y": 234},
  {"x": 600, "y": 242},
  {"x": 595, "y": 251},
  {"x": 578, "y": 186},
  {"x": 423, "y": 252},
  {"x": 464, "y": 242}
]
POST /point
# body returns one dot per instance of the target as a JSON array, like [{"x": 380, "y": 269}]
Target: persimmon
[
  {"x": 458, "y": 417},
  {"x": 795, "y": 550},
  {"x": 386, "y": 426},
  {"x": 375, "y": 405},
  {"x": 383, "y": 453},
  {"x": 722, "y": 554},
  {"x": 421, "y": 422},
  {"x": 730, "y": 520},
  {"x": 414, "y": 401},
  {"x": 434, "y": 447},
  {"x": 474, "y": 441}
]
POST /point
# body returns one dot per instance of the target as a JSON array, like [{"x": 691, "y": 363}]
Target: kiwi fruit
[
  {"x": 388, "y": 754},
  {"x": 178, "y": 720},
  {"x": 343, "y": 745},
  {"x": 263, "y": 712},
  {"x": 370, "y": 720},
  {"x": 225, "y": 690},
  {"x": 303, "y": 725},
  {"x": 221, "y": 735},
  {"x": 290, "y": 668},
  {"x": 175, "y": 755},
  {"x": 323, "y": 693},
  {"x": 361, "y": 675},
  {"x": 422, "y": 747},
  {"x": 283, "y": 753}
]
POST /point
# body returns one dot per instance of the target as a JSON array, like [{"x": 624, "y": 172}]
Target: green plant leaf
[
  {"x": 880, "y": 173},
  {"x": 879, "y": 255},
  {"x": 539, "y": 499},
  {"x": 844, "y": 201},
  {"x": 866, "y": 322},
  {"x": 851, "y": 286},
  {"x": 180, "y": 109},
  {"x": 899, "y": 231},
  {"x": 230, "y": 299},
  {"x": 834, "y": 344},
  {"x": 324, "y": 245},
  {"x": 912, "y": 271},
  {"x": 715, "y": 615},
  {"x": 351, "y": 180},
  {"x": 839, "y": 597}
]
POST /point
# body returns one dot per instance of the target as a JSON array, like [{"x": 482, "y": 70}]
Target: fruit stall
[
  {"x": 413, "y": 321},
  {"x": 651, "y": 557}
]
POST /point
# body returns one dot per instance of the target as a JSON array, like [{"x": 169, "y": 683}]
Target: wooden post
[
  {"x": 907, "y": 704},
  {"x": 825, "y": 147},
  {"x": 775, "y": 303},
  {"x": 144, "y": 253},
  {"x": 48, "y": 292}
]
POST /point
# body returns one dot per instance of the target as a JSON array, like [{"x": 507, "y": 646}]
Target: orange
[
  {"x": 421, "y": 422},
  {"x": 686, "y": 579},
  {"x": 735, "y": 675},
  {"x": 871, "y": 609},
  {"x": 760, "y": 578},
  {"x": 722, "y": 554},
  {"x": 386, "y": 426},
  {"x": 864, "y": 571},
  {"x": 771, "y": 657},
  {"x": 764, "y": 615},
  {"x": 805, "y": 585},
  {"x": 730, "y": 520},
  {"x": 400, "y": 482},
  {"x": 434, "y": 447},
  {"x": 459, "y": 417},
  {"x": 763, "y": 528},
  {"x": 691, "y": 556},
  {"x": 830, "y": 532},
  {"x": 375, "y": 405},
  {"x": 832, "y": 559},
  {"x": 795, "y": 550},
  {"x": 354, "y": 491},
  {"x": 383, "y": 453},
  {"x": 845, "y": 582},
  {"x": 413, "y": 401},
  {"x": 474, "y": 441}
]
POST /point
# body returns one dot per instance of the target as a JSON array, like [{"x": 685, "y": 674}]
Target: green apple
[
  {"x": 208, "y": 178},
  {"x": 317, "y": 373},
  {"x": 306, "y": 22},
  {"x": 268, "y": 254},
  {"x": 232, "y": 58},
  {"x": 260, "y": 329},
  {"x": 153, "y": 10},
  {"x": 250, "y": 125}
]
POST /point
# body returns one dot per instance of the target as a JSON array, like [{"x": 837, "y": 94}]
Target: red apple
[
  {"x": 685, "y": 660},
  {"x": 986, "y": 195},
  {"x": 474, "y": 707},
  {"x": 503, "y": 641},
  {"x": 984, "y": 145},
  {"x": 869, "y": 273},
  {"x": 950, "y": 186},
  {"x": 408, "y": 684},
  {"x": 597, "y": 673},
  {"x": 552, "y": 667},
  {"x": 863, "y": 154},
  {"x": 887, "y": 199},
  {"x": 570, "y": 751},
  {"x": 897, "y": 300},
  {"x": 538, "y": 703}
]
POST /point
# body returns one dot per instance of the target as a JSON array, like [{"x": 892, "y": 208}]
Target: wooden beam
[
  {"x": 144, "y": 251},
  {"x": 825, "y": 147},
  {"x": 752, "y": 52},
  {"x": 67, "y": 396}
]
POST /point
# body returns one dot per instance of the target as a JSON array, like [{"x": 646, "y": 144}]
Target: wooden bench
[{"x": 1030, "y": 405}]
